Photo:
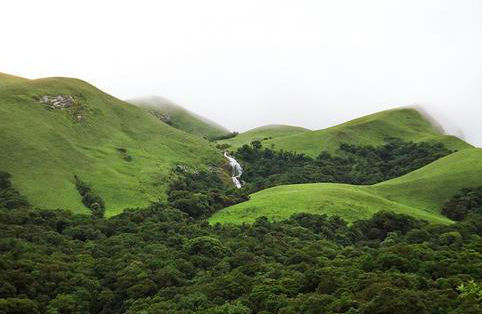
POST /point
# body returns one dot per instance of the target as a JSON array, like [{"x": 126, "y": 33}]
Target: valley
[{"x": 420, "y": 193}]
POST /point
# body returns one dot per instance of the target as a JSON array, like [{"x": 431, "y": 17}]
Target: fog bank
[{"x": 245, "y": 64}]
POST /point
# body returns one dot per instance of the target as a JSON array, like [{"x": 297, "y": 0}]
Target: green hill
[
  {"x": 419, "y": 193},
  {"x": 263, "y": 133},
  {"x": 406, "y": 124},
  {"x": 180, "y": 117},
  {"x": 124, "y": 152}
]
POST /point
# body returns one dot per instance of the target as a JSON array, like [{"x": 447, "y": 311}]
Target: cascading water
[{"x": 236, "y": 170}]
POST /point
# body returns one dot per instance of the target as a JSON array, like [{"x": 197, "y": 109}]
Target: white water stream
[{"x": 236, "y": 170}]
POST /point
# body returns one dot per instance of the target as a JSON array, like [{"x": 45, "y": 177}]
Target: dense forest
[
  {"x": 199, "y": 193},
  {"x": 265, "y": 167},
  {"x": 161, "y": 260}
]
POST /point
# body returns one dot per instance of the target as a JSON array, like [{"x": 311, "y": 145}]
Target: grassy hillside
[
  {"x": 180, "y": 117},
  {"x": 262, "y": 134},
  {"x": 124, "y": 152},
  {"x": 430, "y": 186},
  {"x": 419, "y": 193},
  {"x": 406, "y": 124}
]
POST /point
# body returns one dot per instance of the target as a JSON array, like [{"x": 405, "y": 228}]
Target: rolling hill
[
  {"x": 54, "y": 128},
  {"x": 419, "y": 193},
  {"x": 179, "y": 117},
  {"x": 406, "y": 124},
  {"x": 262, "y": 133}
]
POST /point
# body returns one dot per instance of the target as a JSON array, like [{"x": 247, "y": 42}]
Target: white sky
[{"x": 248, "y": 63}]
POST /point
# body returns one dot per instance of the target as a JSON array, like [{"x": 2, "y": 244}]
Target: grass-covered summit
[
  {"x": 419, "y": 193},
  {"x": 179, "y": 117},
  {"x": 54, "y": 128},
  {"x": 406, "y": 124},
  {"x": 263, "y": 133}
]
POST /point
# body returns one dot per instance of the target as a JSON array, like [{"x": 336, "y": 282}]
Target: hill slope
[
  {"x": 124, "y": 152},
  {"x": 406, "y": 124},
  {"x": 180, "y": 117},
  {"x": 262, "y": 134},
  {"x": 419, "y": 193}
]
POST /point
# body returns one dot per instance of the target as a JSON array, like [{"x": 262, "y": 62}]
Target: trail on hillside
[{"x": 236, "y": 170}]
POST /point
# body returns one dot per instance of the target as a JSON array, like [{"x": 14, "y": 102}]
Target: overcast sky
[{"x": 248, "y": 63}]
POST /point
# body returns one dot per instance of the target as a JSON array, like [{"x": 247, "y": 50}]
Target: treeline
[
  {"x": 264, "y": 167},
  {"x": 159, "y": 260}
]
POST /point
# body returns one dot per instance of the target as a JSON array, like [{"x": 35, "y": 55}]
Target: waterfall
[{"x": 236, "y": 170}]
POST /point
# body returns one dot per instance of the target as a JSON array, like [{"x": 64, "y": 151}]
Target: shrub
[{"x": 90, "y": 199}]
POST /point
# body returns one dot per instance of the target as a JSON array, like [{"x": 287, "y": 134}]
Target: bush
[
  {"x": 90, "y": 199},
  {"x": 9, "y": 197}
]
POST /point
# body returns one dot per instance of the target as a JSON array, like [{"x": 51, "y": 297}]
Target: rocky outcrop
[
  {"x": 58, "y": 102},
  {"x": 65, "y": 102},
  {"x": 163, "y": 116}
]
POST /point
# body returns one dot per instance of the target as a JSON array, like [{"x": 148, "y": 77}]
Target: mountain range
[{"x": 57, "y": 130}]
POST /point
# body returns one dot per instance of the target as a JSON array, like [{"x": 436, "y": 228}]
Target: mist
[{"x": 245, "y": 64}]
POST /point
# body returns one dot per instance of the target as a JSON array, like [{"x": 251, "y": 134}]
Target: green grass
[
  {"x": 43, "y": 148},
  {"x": 406, "y": 124},
  {"x": 182, "y": 118},
  {"x": 430, "y": 186},
  {"x": 262, "y": 133},
  {"x": 419, "y": 193}
]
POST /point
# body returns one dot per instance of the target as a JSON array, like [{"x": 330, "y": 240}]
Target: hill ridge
[
  {"x": 179, "y": 116},
  {"x": 263, "y": 133},
  {"x": 405, "y": 123}
]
